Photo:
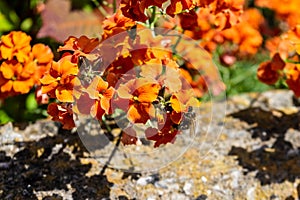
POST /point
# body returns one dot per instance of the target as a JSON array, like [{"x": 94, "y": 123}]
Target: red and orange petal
[
  {"x": 277, "y": 62},
  {"x": 15, "y": 44},
  {"x": 139, "y": 56},
  {"x": 152, "y": 69},
  {"x": 29, "y": 70},
  {"x": 266, "y": 74},
  {"x": 11, "y": 69},
  {"x": 82, "y": 44},
  {"x": 178, "y": 6},
  {"x": 161, "y": 137},
  {"x": 97, "y": 87},
  {"x": 64, "y": 92},
  {"x": 84, "y": 104},
  {"x": 140, "y": 89},
  {"x": 115, "y": 24},
  {"x": 293, "y": 78},
  {"x": 100, "y": 90},
  {"x": 189, "y": 20},
  {"x": 140, "y": 112},
  {"x": 15, "y": 78},
  {"x": 121, "y": 67},
  {"x": 147, "y": 93},
  {"x": 129, "y": 136},
  {"x": 134, "y": 9},
  {"x": 64, "y": 68},
  {"x": 42, "y": 53},
  {"x": 96, "y": 110},
  {"x": 254, "y": 18},
  {"x": 59, "y": 82},
  {"x": 62, "y": 114},
  {"x": 184, "y": 99},
  {"x": 176, "y": 117}
]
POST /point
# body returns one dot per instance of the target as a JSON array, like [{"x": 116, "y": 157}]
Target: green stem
[
  {"x": 177, "y": 42},
  {"x": 105, "y": 124},
  {"x": 112, "y": 154},
  {"x": 153, "y": 19},
  {"x": 114, "y": 6}
]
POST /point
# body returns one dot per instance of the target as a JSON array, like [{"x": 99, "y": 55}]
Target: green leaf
[
  {"x": 9, "y": 13},
  {"x": 31, "y": 103},
  {"x": 26, "y": 24},
  {"x": 5, "y": 24},
  {"x": 4, "y": 118}
]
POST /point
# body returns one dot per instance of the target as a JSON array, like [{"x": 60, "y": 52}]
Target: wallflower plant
[
  {"x": 147, "y": 66},
  {"x": 142, "y": 73}
]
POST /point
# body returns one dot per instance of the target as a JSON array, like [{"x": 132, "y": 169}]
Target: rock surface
[{"x": 250, "y": 153}]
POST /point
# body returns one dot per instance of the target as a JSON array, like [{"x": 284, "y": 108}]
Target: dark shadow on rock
[
  {"x": 273, "y": 165},
  {"x": 38, "y": 167},
  {"x": 276, "y": 163},
  {"x": 267, "y": 124}
]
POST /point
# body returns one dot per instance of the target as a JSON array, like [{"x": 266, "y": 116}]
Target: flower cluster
[
  {"x": 223, "y": 13},
  {"x": 288, "y": 12},
  {"x": 284, "y": 50},
  {"x": 21, "y": 65},
  {"x": 138, "y": 73},
  {"x": 149, "y": 77}
]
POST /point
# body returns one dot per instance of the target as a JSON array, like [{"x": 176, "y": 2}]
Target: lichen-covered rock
[{"x": 250, "y": 153}]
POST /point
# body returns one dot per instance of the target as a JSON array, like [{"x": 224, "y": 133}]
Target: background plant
[{"x": 238, "y": 35}]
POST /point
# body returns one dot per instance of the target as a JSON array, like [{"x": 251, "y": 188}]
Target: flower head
[
  {"x": 136, "y": 97},
  {"x": 59, "y": 81},
  {"x": 15, "y": 44}
]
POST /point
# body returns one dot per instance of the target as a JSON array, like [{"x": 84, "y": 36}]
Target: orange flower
[
  {"x": 135, "y": 9},
  {"x": 189, "y": 21},
  {"x": 22, "y": 66},
  {"x": 247, "y": 37},
  {"x": 102, "y": 93},
  {"x": 181, "y": 102},
  {"x": 293, "y": 77},
  {"x": 121, "y": 68},
  {"x": 279, "y": 45},
  {"x": 115, "y": 24},
  {"x": 63, "y": 114},
  {"x": 165, "y": 73},
  {"x": 289, "y": 11},
  {"x": 253, "y": 17},
  {"x": 293, "y": 36},
  {"x": 137, "y": 96},
  {"x": 178, "y": 6},
  {"x": 42, "y": 54},
  {"x": 268, "y": 72},
  {"x": 15, "y": 44},
  {"x": 156, "y": 47},
  {"x": 165, "y": 133},
  {"x": 59, "y": 82},
  {"x": 82, "y": 46},
  {"x": 43, "y": 57},
  {"x": 16, "y": 78},
  {"x": 223, "y": 13},
  {"x": 287, "y": 44}
]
